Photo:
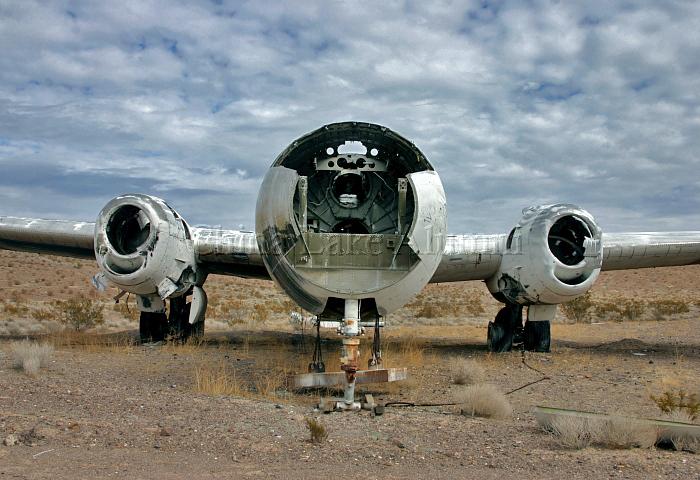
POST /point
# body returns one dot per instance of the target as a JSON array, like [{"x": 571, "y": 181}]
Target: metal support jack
[
  {"x": 350, "y": 375},
  {"x": 350, "y": 358}
]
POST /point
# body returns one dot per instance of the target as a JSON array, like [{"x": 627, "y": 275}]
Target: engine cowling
[
  {"x": 553, "y": 255},
  {"x": 144, "y": 247},
  {"x": 335, "y": 225}
]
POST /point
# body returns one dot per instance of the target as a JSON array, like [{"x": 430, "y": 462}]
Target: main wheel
[
  {"x": 179, "y": 321},
  {"x": 537, "y": 336},
  {"x": 502, "y": 331},
  {"x": 153, "y": 327},
  {"x": 499, "y": 339}
]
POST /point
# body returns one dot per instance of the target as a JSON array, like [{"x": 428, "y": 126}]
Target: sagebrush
[
  {"x": 80, "y": 313},
  {"x": 579, "y": 309},
  {"x": 615, "y": 432},
  {"x": 483, "y": 401},
  {"x": 678, "y": 402},
  {"x": 30, "y": 356},
  {"x": 317, "y": 431},
  {"x": 466, "y": 371}
]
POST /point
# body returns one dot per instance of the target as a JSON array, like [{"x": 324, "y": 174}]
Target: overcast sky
[{"x": 514, "y": 103}]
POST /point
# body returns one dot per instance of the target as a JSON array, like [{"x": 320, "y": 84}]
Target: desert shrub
[
  {"x": 80, "y": 313},
  {"x": 579, "y": 309},
  {"x": 317, "y": 431},
  {"x": 472, "y": 304},
  {"x": 571, "y": 432},
  {"x": 217, "y": 380},
  {"x": 15, "y": 307},
  {"x": 260, "y": 312},
  {"x": 427, "y": 311},
  {"x": 616, "y": 432},
  {"x": 43, "y": 314},
  {"x": 483, "y": 401},
  {"x": 631, "y": 309},
  {"x": 621, "y": 309},
  {"x": 30, "y": 356},
  {"x": 125, "y": 310},
  {"x": 667, "y": 308},
  {"x": 30, "y": 366},
  {"x": 685, "y": 443},
  {"x": 624, "y": 433},
  {"x": 678, "y": 403},
  {"x": 466, "y": 371}
]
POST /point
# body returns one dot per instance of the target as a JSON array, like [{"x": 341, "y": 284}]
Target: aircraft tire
[
  {"x": 153, "y": 327},
  {"x": 499, "y": 338},
  {"x": 537, "y": 336},
  {"x": 179, "y": 321}
]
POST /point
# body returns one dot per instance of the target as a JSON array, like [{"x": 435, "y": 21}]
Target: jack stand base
[
  {"x": 337, "y": 379},
  {"x": 328, "y": 405}
]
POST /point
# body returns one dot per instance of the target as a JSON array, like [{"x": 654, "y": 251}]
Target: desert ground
[{"x": 103, "y": 406}]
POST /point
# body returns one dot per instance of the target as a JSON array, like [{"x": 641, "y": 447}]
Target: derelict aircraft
[{"x": 350, "y": 237}]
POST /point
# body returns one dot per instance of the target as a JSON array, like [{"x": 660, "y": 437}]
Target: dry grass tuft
[
  {"x": 30, "y": 356},
  {"x": 483, "y": 401},
  {"x": 615, "y": 432},
  {"x": 572, "y": 432},
  {"x": 685, "y": 443},
  {"x": 218, "y": 380},
  {"x": 317, "y": 431},
  {"x": 466, "y": 371},
  {"x": 624, "y": 433}
]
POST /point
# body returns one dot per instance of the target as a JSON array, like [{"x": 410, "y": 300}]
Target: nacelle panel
[
  {"x": 553, "y": 255},
  {"x": 144, "y": 247}
]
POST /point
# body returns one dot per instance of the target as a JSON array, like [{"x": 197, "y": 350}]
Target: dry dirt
[{"x": 111, "y": 409}]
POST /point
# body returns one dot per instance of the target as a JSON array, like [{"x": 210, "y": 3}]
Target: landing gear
[
  {"x": 179, "y": 325},
  {"x": 537, "y": 334},
  {"x": 153, "y": 327},
  {"x": 537, "y": 337},
  {"x": 505, "y": 329},
  {"x": 157, "y": 326}
]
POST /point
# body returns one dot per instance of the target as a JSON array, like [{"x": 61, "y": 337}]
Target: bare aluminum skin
[
  {"x": 389, "y": 267},
  {"x": 465, "y": 257},
  {"x": 163, "y": 264},
  {"x": 530, "y": 273}
]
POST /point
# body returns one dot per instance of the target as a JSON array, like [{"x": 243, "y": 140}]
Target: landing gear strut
[{"x": 158, "y": 326}]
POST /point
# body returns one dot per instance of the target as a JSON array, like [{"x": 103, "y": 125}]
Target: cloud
[{"x": 515, "y": 104}]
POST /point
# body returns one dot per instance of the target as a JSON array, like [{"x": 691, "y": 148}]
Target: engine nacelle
[
  {"x": 367, "y": 225},
  {"x": 144, "y": 247},
  {"x": 553, "y": 255}
]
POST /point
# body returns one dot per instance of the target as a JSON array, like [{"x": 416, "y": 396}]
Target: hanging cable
[
  {"x": 317, "y": 365},
  {"x": 376, "y": 358}
]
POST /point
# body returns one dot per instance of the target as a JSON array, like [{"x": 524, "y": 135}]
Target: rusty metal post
[
  {"x": 349, "y": 364},
  {"x": 350, "y": 358}
]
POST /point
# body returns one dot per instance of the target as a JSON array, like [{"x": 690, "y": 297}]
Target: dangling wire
[{"x": 317, "y": 365}]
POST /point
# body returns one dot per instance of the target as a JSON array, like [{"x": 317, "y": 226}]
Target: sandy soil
[{"x": 110, "y": 409}]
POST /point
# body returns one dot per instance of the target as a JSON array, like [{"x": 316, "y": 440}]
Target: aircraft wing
[
  {"x": 466, "y": 257},
  {"x": 478, "y": 257},
  {"x": 622, "y": 251},
  {"x": 54, "y": 237},
  {"x": 226, "y": 252}
]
